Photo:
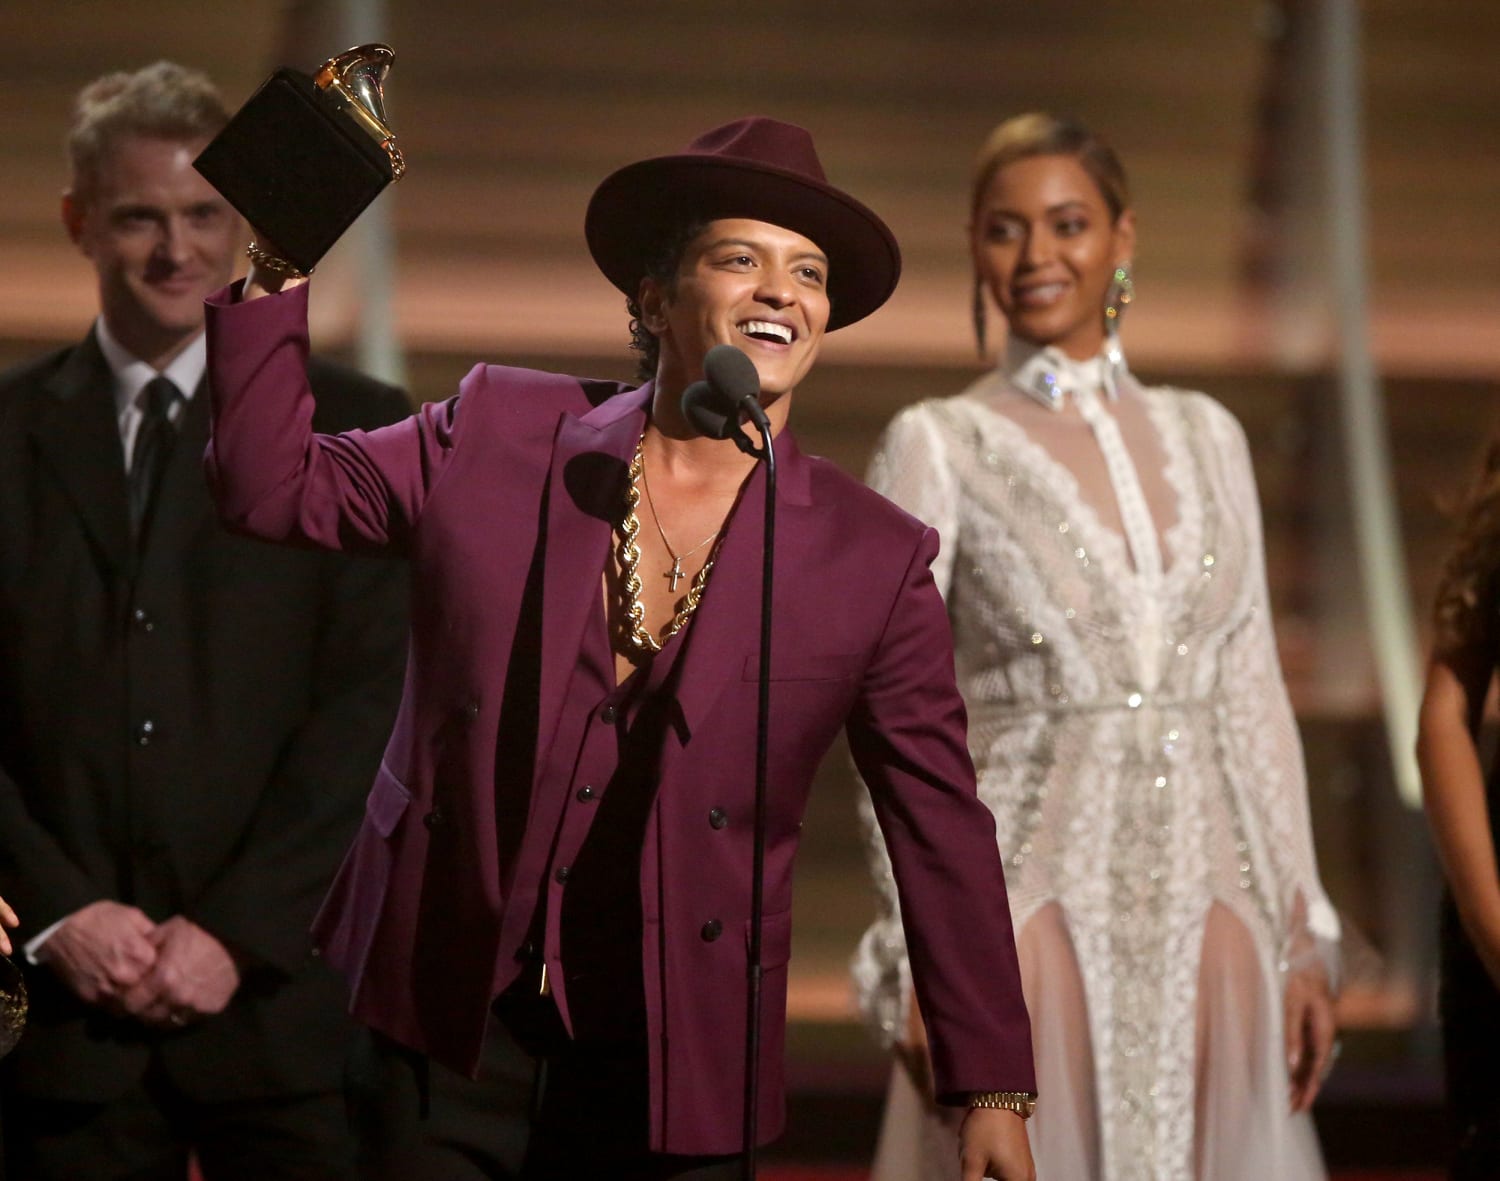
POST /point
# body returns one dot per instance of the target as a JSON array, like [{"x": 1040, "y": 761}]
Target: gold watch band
[
  {"x": 1023, "y": 1103},
  {"x": 273, "y": 262}
]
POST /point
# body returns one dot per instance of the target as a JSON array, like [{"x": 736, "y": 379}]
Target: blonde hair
[
  {"x": 164, "y": 101},
  {"x": 1041, "y": 134}
]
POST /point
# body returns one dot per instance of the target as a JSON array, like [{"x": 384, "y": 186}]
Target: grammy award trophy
[{"x": 305, "y": 155}]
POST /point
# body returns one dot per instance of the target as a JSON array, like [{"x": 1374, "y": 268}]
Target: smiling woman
[
  {"x": 1045, "y": 248},
  {"x": 1102, "y": 564}
]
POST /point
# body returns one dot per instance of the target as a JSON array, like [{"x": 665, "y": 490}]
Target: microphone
[
  {"x": 731, "y": 387},
  {"x": 734, "y": 376},
  {"x": 709, "y": 413}
]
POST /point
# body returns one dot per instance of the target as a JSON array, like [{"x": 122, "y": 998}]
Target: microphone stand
[
  {"x": 767, "y": 454},
  {"x": 713, "y": 407}
]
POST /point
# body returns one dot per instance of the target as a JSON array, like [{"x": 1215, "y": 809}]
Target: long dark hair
[{"x": 1463, "y": 608}]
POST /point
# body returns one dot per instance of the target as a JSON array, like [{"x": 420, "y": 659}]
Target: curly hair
[
  {"x": 163, "y": 100},
  {"x": 1463, "y": 608},
  {"x": 662, "y": 262}
]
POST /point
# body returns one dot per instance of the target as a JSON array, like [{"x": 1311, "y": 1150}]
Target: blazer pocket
[
  {"x": 806, "y": 666},
  {"x": 775, "y": 939},
  {"x": 387, "y": 802}
]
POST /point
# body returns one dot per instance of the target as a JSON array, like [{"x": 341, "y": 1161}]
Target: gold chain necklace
[
  {"x": 630, "y": 560},
  {"x": 676, "y": 574}
]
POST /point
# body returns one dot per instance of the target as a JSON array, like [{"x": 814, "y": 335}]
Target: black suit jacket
[{"x": 190, "y": 729}]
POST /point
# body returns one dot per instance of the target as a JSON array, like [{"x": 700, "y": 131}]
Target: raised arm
[{"x": 276, "y": 479}]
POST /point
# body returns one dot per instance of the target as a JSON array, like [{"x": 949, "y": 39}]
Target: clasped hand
[
  {"x": 7, "y": 919},
  {"x": 165, "y": 974}
]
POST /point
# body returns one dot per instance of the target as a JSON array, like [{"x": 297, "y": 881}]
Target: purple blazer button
[{"x": 711, "y": 930}]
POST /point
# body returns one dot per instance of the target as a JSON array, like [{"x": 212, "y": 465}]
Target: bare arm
[{"x": 1454, "y": 796}]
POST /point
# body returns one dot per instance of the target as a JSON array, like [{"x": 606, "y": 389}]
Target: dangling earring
[
  {"x": 1121, "y": 292},
  {"x": 980, "y": 325}
]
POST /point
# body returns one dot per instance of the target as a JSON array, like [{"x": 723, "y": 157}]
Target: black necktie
[{"x": 153, "y": 443}]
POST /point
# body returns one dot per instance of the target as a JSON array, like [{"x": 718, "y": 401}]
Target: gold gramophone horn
[{"x": 355, "y": 77}]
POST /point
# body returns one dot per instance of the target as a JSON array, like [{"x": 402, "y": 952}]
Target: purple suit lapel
[
  {"x": 590, "y": 459},
  {"x": 725, "y": 631}
]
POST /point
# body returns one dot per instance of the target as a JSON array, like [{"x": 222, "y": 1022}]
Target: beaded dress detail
[{"x": 1103, "y": 569}]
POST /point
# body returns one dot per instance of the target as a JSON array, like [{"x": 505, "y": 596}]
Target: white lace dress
[{"x": 1134, "y": 739}]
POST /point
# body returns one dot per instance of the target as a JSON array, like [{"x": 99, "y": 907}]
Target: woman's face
[{"x": 1046, "y": 247}]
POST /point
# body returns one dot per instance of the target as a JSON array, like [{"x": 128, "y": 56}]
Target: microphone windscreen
[
  {"x": 709, "y": 413},
  {"x": 731, "y": 373}
]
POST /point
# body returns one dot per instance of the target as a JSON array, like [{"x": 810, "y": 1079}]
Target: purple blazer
[{"x": 473, "y": 491}]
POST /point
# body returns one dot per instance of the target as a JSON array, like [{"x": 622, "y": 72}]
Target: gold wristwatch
[{"x": 1023, "y": 1103}]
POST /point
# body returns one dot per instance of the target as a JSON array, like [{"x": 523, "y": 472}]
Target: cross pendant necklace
[{"x": 676, "y": 574}]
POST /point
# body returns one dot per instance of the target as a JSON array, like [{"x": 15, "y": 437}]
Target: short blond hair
[
  {"x": 1041, "y": 134},
  {"x": 163, "y": 100}
]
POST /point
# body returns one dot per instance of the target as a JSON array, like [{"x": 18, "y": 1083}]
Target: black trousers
[
  {"x": 1469, "y": 1010},
  {"x": 147, "y": 1134},
  {"x": 577, "y": 1113}
]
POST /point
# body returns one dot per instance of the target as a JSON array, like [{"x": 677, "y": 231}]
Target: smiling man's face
[
  {"x": 757, "y": 286},
  {"x": 160, "y": 238}
]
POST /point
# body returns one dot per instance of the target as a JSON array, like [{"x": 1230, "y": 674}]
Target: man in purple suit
[{"x": 544, "y": 919}]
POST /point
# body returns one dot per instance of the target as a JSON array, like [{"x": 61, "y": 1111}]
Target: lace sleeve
[
  {"x": 880, "y": 970},
  {"x": 1267, "y": 768},
  {"x": 910, "y": 467}
]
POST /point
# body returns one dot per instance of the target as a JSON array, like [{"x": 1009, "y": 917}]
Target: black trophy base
[{"x": 297, "y": 168}]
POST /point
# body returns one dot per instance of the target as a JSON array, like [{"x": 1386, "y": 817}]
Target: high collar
[{"x": 1049, "y": 375}]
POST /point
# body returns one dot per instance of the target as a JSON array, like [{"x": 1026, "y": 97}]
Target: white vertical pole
[
  {"x": 1362, "y": 410},
  {"x": 377, "y": 340}
]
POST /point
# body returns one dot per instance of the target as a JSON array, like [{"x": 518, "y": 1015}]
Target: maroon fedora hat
[{"x": 755, "y": 168}]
